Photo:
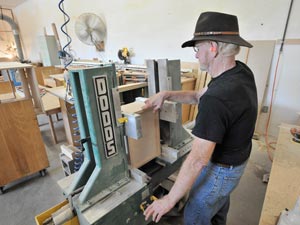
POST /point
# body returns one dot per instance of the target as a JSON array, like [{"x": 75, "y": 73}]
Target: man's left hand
[{"x": 158, "y": 208}]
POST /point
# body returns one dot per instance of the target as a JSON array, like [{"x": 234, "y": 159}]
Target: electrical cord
[{"x": 68, "y": 58}]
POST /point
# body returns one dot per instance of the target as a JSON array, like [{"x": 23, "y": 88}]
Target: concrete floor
[{"x": 30, "y": 196}]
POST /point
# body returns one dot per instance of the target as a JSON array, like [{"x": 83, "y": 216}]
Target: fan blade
[
  {"x": 93, "y": 21},
  {"x": 90, "y": 29}
]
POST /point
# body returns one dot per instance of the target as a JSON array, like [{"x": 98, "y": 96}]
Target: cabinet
[{"x": 22, "y": 151}]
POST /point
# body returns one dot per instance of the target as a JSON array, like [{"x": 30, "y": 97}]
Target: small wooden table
[
  {"x": 51, "y": 105},
  {"x": 284, "y": 183},
  {"x": 58, "y": 78},
  {"x": 67, "y": 109}
]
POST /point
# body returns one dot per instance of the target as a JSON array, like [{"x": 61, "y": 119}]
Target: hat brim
[{"x": 232, "y": 39}]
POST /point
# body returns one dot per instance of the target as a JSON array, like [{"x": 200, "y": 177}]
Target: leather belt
[{"x": 223, "y": 165}]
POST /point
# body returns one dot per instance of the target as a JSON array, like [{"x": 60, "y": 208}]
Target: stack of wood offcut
[{"x": 192, "y": 70}]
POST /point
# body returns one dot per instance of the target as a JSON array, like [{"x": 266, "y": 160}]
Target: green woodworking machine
[{"x": 107, "y": 189}]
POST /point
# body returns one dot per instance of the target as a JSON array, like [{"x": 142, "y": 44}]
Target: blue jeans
[{"x": 209, "y": 198}]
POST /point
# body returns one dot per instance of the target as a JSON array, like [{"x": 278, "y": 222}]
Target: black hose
[
  {"x": 286, "y": 25},
  {"x": 64, "y": 54}
]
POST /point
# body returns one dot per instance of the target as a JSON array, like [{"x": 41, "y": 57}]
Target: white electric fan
[{"x": 91, "y": 30}]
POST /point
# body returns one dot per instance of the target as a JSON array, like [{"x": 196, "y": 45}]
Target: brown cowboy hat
[{"x": 217, "y": 26}]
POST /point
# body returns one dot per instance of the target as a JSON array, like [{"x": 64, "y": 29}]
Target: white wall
[
  {"x": 157, "y": 28},
  {"x": 286, "y": 100},
  {"x": 153, "y": 28}
]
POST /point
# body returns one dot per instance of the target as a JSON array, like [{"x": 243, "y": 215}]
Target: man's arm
[
  {"x": 190, "y": 170},
  {"x": 188, "y": 97}
]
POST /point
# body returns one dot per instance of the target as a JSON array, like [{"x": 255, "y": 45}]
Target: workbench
[
  {"x": 284, "y": 183},
  {"x": 58, "y": 79}
]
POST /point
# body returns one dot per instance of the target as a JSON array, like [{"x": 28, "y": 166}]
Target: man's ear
[
  {"x": 213, "y": 46},
  {"x": 213, "y": 49}
]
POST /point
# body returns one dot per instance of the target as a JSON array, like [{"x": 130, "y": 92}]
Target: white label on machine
[{"x": 105, "y": 115}]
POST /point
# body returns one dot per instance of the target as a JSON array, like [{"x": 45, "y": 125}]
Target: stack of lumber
[{"x": 202, "y": 79}]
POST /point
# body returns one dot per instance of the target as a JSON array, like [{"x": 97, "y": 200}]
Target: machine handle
[
  {"x": 123, "y": 120},
  {"x": 147, "y": 202}
]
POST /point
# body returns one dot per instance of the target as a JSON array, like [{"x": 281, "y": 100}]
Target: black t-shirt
[{"x": 227, "y": 114}]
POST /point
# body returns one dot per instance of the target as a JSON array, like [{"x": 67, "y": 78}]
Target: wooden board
[
  {"x": 44, "y": 72},
  {"x": 192, "y": 66},
  {"x": 284, "y": 183},
  {"x": 132, "y": 86},
  {"x": 200, "y": 83},
  {"x": 50, "y": 102},
  {"x": 13, "y": 65},
  {"x": 22, "y": 151},
  {"x": 146, "y": 148},
  {"x": 187, "y": 84},
  {"x": 6, "y": 87}
]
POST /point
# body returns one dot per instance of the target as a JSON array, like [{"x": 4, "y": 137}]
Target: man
[{"x": 224, "y": 125}]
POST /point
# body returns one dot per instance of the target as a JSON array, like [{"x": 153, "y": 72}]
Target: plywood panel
[
  {"x": 187, "y": 84},
  {"x": 6, "y": 87},
  {"x": 22, "y": 151},
  {"x": 7, "y": 90},
  {"x": 146, "y": 148}
]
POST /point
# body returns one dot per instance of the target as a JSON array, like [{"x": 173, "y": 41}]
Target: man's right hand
[{"x": 156, "y": 101}]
